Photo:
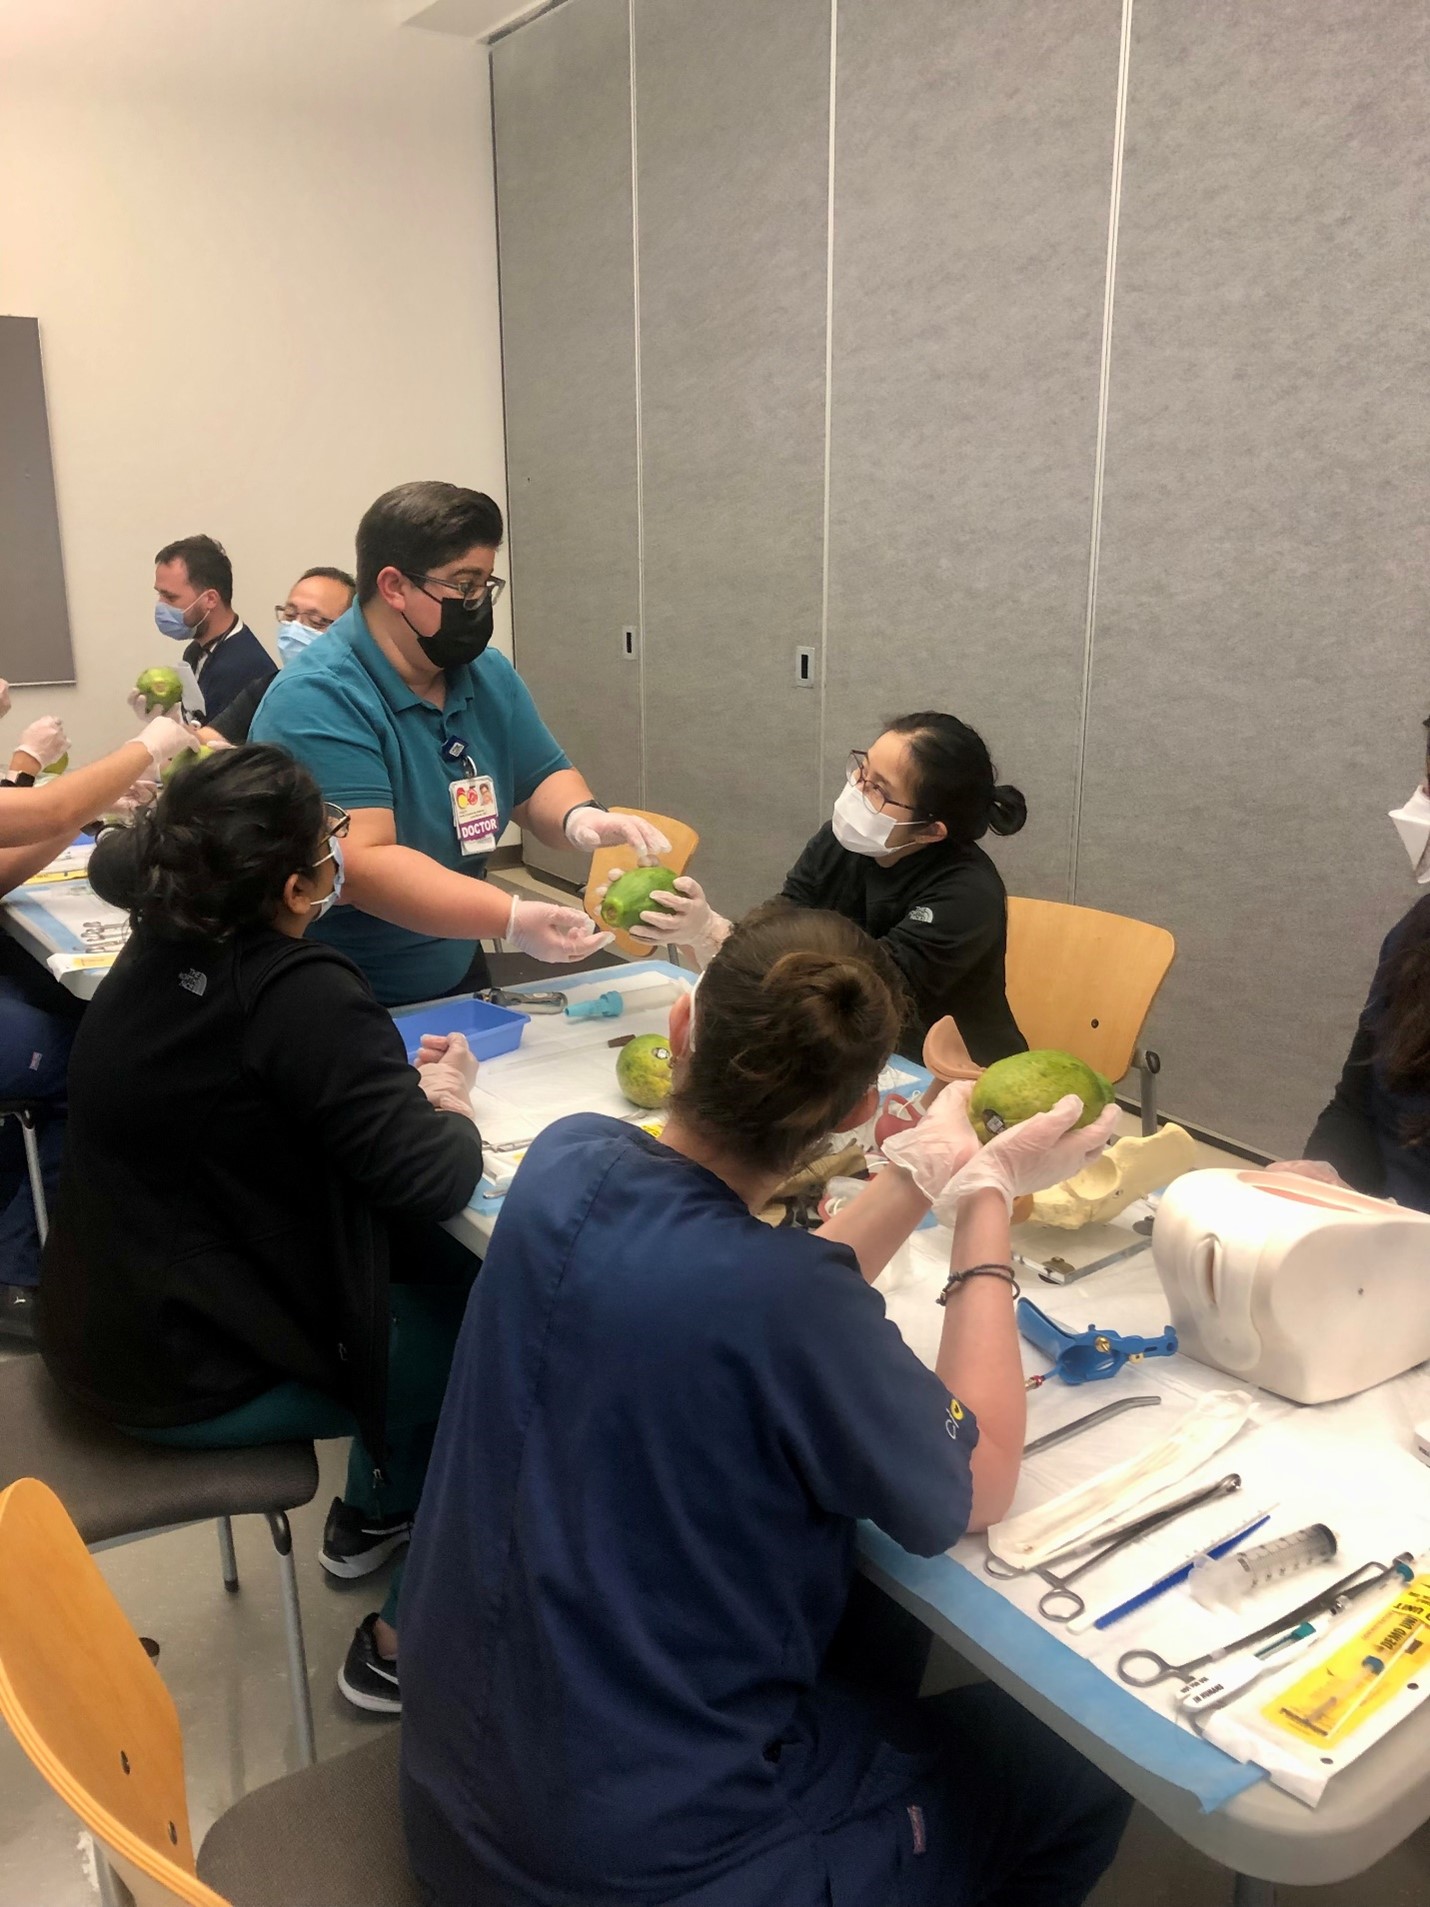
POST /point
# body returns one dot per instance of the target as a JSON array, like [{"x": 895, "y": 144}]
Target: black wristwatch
[
  {"x": 590, "y": 802},
  {"x": 17, "y": 778}
]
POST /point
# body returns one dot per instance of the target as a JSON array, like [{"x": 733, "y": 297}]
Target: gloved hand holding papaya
[
  {"x": 999, "y": 1132},
  {"x": 663, "y": 910}
]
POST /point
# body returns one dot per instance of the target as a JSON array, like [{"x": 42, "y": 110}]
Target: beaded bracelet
[{"x": 956, "y": 1278}]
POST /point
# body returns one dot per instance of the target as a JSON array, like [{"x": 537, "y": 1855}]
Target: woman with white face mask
[
  {"x": 900, "y": 858},
  {"x": 1375, "y": 1133}
]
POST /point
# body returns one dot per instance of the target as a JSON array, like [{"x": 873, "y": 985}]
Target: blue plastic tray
[{"x": 489, "y": 1029}]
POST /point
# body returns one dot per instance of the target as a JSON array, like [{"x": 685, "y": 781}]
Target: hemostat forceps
[
  {"x": 1144, "y": 1668},
  {"x": 1061, "y": 1602}
]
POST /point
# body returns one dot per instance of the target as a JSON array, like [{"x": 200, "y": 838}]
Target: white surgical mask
[
  {"x": 335, "y": 855},
  {"x": 293, "y": 639},
  {"x": 858, "y": 827},
  {"x": 1412, "y": 824}
]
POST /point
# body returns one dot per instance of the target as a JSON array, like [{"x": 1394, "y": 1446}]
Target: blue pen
[{"x": 1175, "y": 1576}]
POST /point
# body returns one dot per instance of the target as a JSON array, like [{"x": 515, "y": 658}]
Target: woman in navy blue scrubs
[{"x": 637, "y": 1534}]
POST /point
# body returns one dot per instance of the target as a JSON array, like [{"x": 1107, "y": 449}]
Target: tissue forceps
[
  {"x": 1330, "y": 1602},
  {"x": 1061, "y": 1602}
]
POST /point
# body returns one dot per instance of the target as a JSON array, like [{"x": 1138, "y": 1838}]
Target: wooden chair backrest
[
  {"x": 1084, "y": 981},
  {"x": 87, "y": 1705},
  {"x": 607, "y": 863}
]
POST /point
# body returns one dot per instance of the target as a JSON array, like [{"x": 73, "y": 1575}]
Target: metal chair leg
[
  {"x": 37, "y": 1179},
  {"x": 1148, "y": 1066},
  {"x": 293, "y": 1625},
  {"x": 226, "y": 1554},
  {"x": 112, "y": 1890},
  {"x": 1247, "y": 1891}
]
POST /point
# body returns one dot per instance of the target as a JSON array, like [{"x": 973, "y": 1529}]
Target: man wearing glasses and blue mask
[
  {"x": 314, "y": 604},
  {"x": 431, "y": 741}
]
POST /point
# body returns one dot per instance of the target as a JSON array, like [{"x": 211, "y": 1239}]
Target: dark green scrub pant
[{"x": 425, "y": 1322}]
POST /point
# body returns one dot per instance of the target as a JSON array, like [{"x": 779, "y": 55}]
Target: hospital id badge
[{"x": 474, "y": 814}]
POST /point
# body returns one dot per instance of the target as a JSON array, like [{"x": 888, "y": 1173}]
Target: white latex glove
[
  {"x": 683, "y": 918},
  {"x": 1031, "y": 1157},
  {"x": 4, "y": 698},
  {"x": 137, "y": 795},
  {"x": 1309, "y": 1169},
  {"x": 592, "y": 828},
  {"x": 44, "y": 741},
  {"x": 164, "y": 738},
  {"x": 941, "y": 1144},
  {"x": 447, "y": 1072},
  {"x": 548, "y": 932}
]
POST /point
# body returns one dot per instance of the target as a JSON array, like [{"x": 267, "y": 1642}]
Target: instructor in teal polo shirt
[{"x": 432, "y": 743}]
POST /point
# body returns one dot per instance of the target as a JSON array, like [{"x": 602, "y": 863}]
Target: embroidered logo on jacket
[
  {"x": 923, "y": 915},
  {"x": 194, "y": 982}
]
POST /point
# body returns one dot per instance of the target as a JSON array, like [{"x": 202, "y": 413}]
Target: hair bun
[{"x": 1008, "y": 811}]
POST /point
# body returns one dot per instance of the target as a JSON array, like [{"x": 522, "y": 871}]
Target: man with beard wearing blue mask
[
  {"x": 431, "y": 741},
  {"x": 193, "y": 580}
]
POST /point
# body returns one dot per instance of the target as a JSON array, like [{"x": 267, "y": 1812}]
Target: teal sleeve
[
  {"x": 535, "y": 751},
  {"x": 317, "y": 720}
]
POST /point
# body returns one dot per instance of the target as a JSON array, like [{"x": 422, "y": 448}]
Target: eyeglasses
[
  {"x": 338, "y": 822},
  {"x": 473, "y": 595},
  {"x": 876, "y": 796},
  {"x": 310, "y": 619}
]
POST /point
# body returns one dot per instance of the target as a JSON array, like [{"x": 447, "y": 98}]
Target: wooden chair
[
  {"x": 607, "y": 863},
  {"x": 91, "y": 1711},
  {"x": 1084, "y": 981},
  {"x": 120, "y": 1490}
]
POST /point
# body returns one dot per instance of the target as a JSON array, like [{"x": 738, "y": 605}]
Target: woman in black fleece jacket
[{"x": 245, "y": 1248}]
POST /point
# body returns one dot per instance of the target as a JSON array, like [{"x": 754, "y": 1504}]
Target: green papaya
[
  {"x": 1013, "y": 1089},
  {"x": 628, "y": 896}
]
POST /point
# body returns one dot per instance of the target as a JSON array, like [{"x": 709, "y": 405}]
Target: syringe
[{"x": 1224, "y": 1584}]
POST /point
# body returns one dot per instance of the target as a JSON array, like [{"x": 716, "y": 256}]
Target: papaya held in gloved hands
[
  {"x": 159, "y": 688},
  {"x": 1013, "y": 1089},
  {"x": 182, "y": 761},
  {"x": 628, "y": 896}
]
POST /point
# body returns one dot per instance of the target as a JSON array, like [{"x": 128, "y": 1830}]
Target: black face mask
[{"x": 462, "y": 634}]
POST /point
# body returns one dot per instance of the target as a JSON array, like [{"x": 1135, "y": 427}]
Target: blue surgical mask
[
  {"x": 293, "y": 639},
  {"x": 170, "y": 622},
  {"x": 335, "y": 855}
]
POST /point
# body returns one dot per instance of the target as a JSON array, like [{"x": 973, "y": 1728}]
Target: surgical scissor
[
  {"x": 1330, "y": 1602},
  {"x": 1061, "y": 1602}
]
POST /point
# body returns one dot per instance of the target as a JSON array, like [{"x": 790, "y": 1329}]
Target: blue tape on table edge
[
  {"x": 488, "y": 1204},
  {"x": 1074, "y": 1685},
  {"x": 65, "y": 938}
]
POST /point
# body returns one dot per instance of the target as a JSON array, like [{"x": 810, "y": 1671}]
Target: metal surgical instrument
[
  {"x": 1061, "y": 1602},
  {"x": 1331, "y": 1602},
  {"x": 1086, "y": 1422}
]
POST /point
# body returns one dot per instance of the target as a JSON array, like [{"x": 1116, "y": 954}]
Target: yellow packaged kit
[{"x": 1349, "y": 1687}]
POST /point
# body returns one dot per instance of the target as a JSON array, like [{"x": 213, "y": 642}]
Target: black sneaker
[
  {"x": 356, "y": 1545},
  {"x": 17, "y": 1312},
  {"x": 367, "y": 1679}
]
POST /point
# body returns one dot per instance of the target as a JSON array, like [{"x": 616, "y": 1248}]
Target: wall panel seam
[
  {"x": 642, "y": 796},
  {"x": 1089, "y": 640},
  {"x": 828, "y": 402}
]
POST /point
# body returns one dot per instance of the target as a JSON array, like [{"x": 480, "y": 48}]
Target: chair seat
[
  {"x": 113, "y": 1485},
  {"x": 329, "y": 1836}
]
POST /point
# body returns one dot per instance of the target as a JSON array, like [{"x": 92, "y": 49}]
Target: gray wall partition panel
[
  {"x": 1260, "y": 664},
  {"x": 973, "y": 175},
  {"x": 562, "y": 114},
  {"x": 732, "y": 137},
  {"x": 34, "y": 609}
]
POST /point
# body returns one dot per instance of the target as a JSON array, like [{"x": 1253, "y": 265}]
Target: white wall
[{"x": 259, "y": 236}]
